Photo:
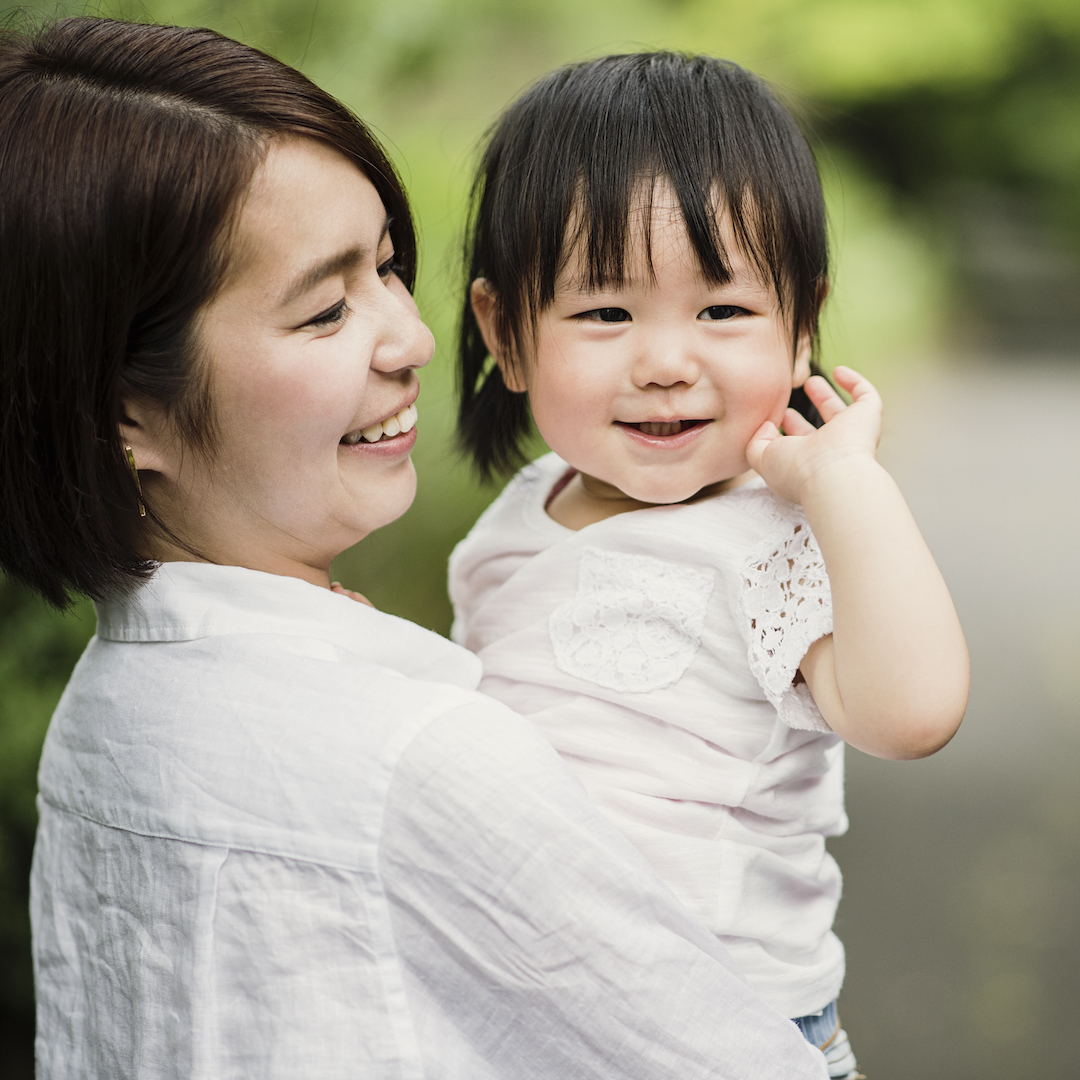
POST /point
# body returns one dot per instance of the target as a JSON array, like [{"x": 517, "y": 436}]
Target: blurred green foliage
[
  {"x": 903, "y": 97},
  {"x": 38, "y": 648}
]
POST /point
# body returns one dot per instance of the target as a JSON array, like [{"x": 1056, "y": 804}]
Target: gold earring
[{"x": 135, "y": 473}]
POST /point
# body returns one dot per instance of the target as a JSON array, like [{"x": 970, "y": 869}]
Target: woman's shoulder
[
  {"x": 264, "y": 742},
  {"x": 274, "y": 736},
  {"x": 270, "y": 742}
]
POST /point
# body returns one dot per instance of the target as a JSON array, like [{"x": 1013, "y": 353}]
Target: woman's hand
[
  {"x": 892, "y": 677},
  {"x": 360, "y": 598},
  {"x": 791, "y": 461}
]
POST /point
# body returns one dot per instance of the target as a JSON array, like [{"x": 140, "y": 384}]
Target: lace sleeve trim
[{"x": 787, "y": 606}]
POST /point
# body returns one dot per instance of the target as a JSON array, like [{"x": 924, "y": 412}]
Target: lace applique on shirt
[
  {"x": 787, "y": 604},
  {"x": 635, "y": 622}
]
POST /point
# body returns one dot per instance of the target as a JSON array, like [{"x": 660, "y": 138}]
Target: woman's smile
[{"x": 399, "y": 429}]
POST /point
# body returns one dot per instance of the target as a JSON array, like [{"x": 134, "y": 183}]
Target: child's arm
[{"x": 892, "y": 678}]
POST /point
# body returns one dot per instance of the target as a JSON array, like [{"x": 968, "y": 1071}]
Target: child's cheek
[{"x": 762, "y": 400}]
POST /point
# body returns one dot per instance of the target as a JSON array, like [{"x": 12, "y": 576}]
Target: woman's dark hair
[
  {"x": 568, "y": 161},
  {"x": 125, "y": 150}
]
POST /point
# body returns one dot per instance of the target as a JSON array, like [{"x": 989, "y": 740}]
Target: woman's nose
[{"x": 406, "y": 340}]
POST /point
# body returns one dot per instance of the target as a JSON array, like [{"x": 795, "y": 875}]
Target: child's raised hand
[
  {"x": 892, "y": 677},
  {"x": 789, "y": 461}
]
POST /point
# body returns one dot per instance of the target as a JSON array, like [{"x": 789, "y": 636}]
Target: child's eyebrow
[
  {"x": 580, "y": 286},
  {"x": 743, "y": 278}
]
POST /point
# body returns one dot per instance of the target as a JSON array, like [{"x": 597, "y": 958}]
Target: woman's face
[{"x": 312, "y": 341}]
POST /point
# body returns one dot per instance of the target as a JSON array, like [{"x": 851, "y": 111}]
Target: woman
[{"x": 281, "y": 835}]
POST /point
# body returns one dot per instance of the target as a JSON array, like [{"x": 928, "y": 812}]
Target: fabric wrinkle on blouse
[
  {"x": 281, "y": 835},
  {"x": 658, "y": 651}
]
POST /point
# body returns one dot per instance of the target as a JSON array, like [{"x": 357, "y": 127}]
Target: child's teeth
[
  {"x": 373, "y": 433},
  {"x": 662, "y": 429}
]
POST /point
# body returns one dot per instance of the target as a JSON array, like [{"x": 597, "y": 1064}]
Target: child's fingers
[
  {"x": 759, "y": 442},
  {"x": 858, "y": 386},
  {"x": 826, "y": 400},
  {"x": 797, "y": 424}
]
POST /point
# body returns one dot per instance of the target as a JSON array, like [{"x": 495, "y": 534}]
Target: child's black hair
[{"x": 585, "y": 145}]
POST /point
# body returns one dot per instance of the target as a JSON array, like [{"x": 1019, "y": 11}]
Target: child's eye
[
  {"x": 721, "y": 313},
  {"x": 606, "y": 314},
  {"x": 330, "y": 317}
]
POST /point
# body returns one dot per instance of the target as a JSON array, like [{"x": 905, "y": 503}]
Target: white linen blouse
[{"x": 281, "y": 835}]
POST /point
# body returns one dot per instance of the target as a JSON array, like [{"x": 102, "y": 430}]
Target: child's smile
[
  {"x": 655, "y": 387},
  {"x": 664, "y": 432}
]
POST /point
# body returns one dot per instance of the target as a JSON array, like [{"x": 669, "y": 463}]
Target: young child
[{"x": 698, "y": 610}]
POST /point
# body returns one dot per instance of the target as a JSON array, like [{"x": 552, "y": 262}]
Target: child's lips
[{"x": 668, "y": 434}]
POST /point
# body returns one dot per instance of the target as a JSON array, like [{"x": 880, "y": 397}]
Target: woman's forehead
[{"x": 307, "y": 206}]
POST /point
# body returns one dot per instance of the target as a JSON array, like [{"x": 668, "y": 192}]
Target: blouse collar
[{"x": 187, "y": 600}]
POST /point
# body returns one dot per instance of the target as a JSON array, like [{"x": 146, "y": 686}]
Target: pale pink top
[{"x": 658, "y": 651}]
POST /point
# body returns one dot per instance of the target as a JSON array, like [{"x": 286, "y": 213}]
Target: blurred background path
[{"x": 961, "y": 911}]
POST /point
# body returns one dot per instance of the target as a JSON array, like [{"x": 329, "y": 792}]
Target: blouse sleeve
[
  {"x": 787, "y": 606},
  {"x": 536, "y": 942}
]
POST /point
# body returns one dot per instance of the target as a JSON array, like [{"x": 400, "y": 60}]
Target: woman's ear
[
  {"x": 146, "y": 430},
  {"x": 485, "y": 303}
]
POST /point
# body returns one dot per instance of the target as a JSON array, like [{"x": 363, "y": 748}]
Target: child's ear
[
  {"x": 804, "y": 348},
  {"x": 485, "y": 303},
  {"x": 800, "y": 371}
]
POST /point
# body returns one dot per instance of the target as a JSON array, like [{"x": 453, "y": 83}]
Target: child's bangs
[
  {"x": 608, "y": 237},
  {"x": 588, "y": 149}
]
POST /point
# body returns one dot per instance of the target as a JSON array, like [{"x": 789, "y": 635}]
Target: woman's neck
[{"x": 162, "y": 549}]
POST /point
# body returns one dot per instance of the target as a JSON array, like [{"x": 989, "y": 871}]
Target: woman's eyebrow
[{"x": 335, "y": 264}]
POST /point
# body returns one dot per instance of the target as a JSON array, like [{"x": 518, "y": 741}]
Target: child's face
[{"x": 656, "y": 387}]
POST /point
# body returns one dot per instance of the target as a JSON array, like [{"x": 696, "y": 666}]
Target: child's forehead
[{"x": 654, "y": 236}]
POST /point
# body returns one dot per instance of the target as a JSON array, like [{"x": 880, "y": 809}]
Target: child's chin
[{"x": 663, "y": 496}]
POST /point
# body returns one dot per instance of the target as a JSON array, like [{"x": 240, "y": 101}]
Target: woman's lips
[
  {"x": 401, "y": 423},
  {"x": 387, "y": 446},
  {"x": 679, "y": 433},
  {"x": 392, "y": 437}
]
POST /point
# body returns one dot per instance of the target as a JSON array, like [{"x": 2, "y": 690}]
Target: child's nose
[{"x": 665, "y": 360}]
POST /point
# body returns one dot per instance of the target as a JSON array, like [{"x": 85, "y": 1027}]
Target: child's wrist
[{"x": 840, "y": 472}]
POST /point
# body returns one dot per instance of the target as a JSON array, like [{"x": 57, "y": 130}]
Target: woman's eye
[
  {"x": 607, "y": 314},
  {"x": 721, "y": 313},
  {"x": 330, "y": 317},
  {"x": 391, "y": 266}
]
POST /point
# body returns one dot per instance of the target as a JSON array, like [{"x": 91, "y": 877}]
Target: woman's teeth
[{"x": 395, "y": 425}]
